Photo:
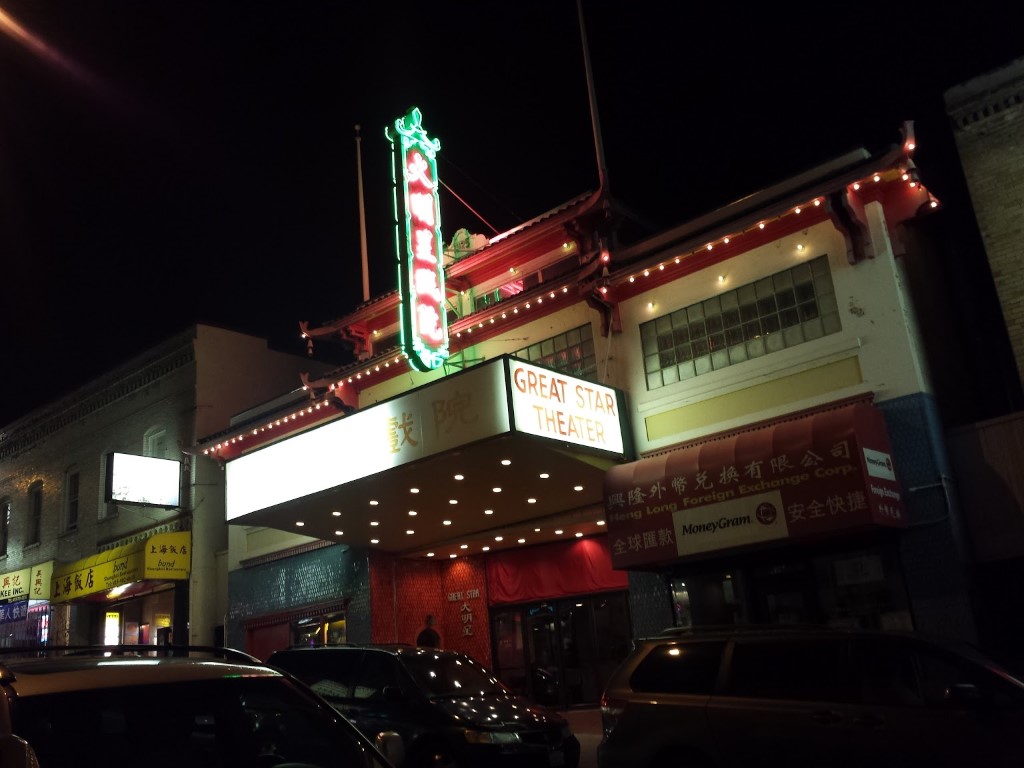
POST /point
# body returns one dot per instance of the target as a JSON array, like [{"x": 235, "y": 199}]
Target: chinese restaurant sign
[
  {"x": 816, "y": 474},
  {"x": 161, "y": 556},
  {"x": 18, "y": 587},
  {"x": 421, "y": 290}
]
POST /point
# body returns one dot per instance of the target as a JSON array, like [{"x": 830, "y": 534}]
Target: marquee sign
[{"x": 420, "y": 248}]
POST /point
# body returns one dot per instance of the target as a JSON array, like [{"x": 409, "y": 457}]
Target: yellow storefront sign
[
  {"x": 151, "y": 558},
  {"x": 32, "y": 582},
  {"x": 169, "y": 555}
]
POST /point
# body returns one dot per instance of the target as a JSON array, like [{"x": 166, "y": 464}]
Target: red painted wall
[{"x": 403, "y": 592}]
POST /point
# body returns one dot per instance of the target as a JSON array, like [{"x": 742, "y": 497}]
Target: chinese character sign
[
  {"x": 814, "y": 475},
  {"x": 420, "y": 256}
]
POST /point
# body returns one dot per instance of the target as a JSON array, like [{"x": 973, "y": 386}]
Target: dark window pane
[
  {"x": 751, "y": 330},
  {"x": 699, "y": 347},
  {"x": 785, "y": 298},
  {"x": 796, "y": 670},
  {"x": 805, "y": 292},
  {"x": 666, "y": 358},
  {"x": 730, "y": 318},
  {"x": 809, "y": 310},
  {"x": 716, "y": 341},
  {"x": 681, "y": 335},
  {"x": 766, "y": 306},
  {"x": 771, "y": 324},
  {"x": 789, "y": 318},
  {"x": 697, "y": 329},
  {"x": 689, "y": 668},
  {"x": 733, "y": 336},
  {"x": 748, "y": 312},
  {"x": 714, "y": 323}
]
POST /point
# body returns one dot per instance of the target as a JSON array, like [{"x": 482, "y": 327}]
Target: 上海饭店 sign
[
  {"x": 163, "y": 556},
  {"x": 823, "y": 472}
]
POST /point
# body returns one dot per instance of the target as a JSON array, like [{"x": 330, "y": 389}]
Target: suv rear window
[
  {"x": 679, "y": 668},
  {"x": 330, "y": 673},
  {"x": 788, "y": 668}
]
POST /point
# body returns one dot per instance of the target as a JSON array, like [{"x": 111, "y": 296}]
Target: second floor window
[
  {"x": 71, "y": 511},
  {"x": 571, "y": 352},
  {"x": 35, "y": 514},
  {"x": 780, "y": 311},
  {"x": 5, "y": 524}
]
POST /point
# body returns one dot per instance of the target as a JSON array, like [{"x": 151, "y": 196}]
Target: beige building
[{"x": 83, "y": 557}]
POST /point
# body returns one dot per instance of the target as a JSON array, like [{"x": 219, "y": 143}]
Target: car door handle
[
  {"x": 869, "y": 721},
  {"x": 826, "y": 717}
]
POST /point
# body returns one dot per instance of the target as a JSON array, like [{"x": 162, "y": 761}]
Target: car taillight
[{"x": 611, "y": 710}]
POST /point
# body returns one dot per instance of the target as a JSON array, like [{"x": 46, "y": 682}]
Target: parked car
[
  {"x": 742, "y": 696},
  {"x": 167, "y": 706},
  {"x": 448, "y": 708}
]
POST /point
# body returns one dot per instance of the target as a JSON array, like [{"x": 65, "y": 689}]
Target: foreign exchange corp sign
[{"x": 420, "y": 261}]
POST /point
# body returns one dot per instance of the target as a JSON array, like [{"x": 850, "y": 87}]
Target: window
[
  {"x": 572, "y": 353},
  {"x": 679, "y": 668},
  {"x": 35, "y": 513},
  {"x": 5, "y": 525},
  {"x": 790, "y": 669},
  {"x": 71, "y": 499},
  {"x": 154, "y": 443},
  {"x": 105, "y": 509},
  {"x": 772, "y": 314}
]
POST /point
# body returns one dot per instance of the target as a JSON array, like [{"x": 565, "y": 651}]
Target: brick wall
[
  {"x": 988, "y": 125},
  {"x": 403, "y": 592}
]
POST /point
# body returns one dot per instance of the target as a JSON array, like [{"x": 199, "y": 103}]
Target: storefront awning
[
  {"x": 814, "y": 474},
  {"x": 163, "y": 556}
]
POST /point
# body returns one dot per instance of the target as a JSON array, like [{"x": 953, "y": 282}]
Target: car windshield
[
  {"x": 232, "y": 722},
  {"x": 447, "y": 676}
]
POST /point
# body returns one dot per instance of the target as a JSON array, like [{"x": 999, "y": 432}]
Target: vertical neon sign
[{"x": 418, "y": 243}]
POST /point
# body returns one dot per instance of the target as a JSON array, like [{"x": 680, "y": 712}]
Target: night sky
[{"x": 178, "y": 161}]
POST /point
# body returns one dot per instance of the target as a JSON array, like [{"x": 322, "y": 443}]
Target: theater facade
[{"x": 728, "y": 421}]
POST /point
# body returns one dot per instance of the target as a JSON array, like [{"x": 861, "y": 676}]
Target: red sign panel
[{"x": 820, "y": 473}]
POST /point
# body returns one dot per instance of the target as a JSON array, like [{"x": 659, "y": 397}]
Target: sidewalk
[
  {"x": 586, "y": 724},
  {"x": 585, "y": 721}
]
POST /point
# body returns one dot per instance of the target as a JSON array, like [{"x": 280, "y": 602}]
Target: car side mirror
[
  {"x": 17, "y": 753},
  {"x": 964, "y": 694},
  {"x": 391, "y": 746},
  {"x": 393, "y": 693}
]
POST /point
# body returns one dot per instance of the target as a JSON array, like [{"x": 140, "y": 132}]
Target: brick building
[
  {"x": 987, "y": 117},
  {"x": 83, "y": 563}
]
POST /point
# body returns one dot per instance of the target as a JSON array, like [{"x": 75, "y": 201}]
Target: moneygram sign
[{"x": 817, "y": 474}]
